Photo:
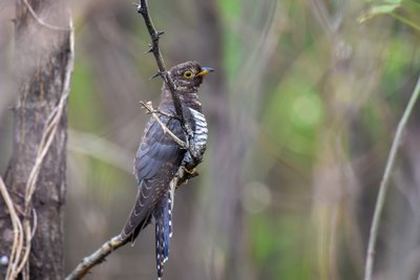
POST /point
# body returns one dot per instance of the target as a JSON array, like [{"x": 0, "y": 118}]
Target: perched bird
[{"x": 159, "y": 157}]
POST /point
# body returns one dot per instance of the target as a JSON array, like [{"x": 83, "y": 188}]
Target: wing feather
[{"x": 157, "y": 160}]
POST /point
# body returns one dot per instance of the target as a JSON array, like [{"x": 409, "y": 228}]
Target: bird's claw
[
  {"x": 188, "y": 174},
  {"x": 191, "y": 173}
]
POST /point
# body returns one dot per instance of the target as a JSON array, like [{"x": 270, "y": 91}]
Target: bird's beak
[{"x": 204, "y": 71}]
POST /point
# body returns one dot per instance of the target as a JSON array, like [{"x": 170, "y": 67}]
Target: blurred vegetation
[
  {"x": 312, "y": 91},
  {"x": 293, "y": 113}
]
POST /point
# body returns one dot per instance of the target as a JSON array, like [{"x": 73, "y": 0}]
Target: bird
[{"x": 159, "y": 156}]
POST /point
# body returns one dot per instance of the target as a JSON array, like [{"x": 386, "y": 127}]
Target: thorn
[
  {"x": 156, "y": 75},
  {"x": 139, "y": 8},
  {"x": 160, "y": 33},
  {"x": 133, "y": 242},
  {"x": 150, "y": 50}
]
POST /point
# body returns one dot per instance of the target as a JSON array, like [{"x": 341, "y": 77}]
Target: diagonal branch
[
  {"x": 116, "y": 242},
  {"x": 148, "y": 106},
  {"x": 96, "y": 258}
]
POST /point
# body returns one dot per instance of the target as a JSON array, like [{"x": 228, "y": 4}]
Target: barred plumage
[{"x": 200, "y": 131}]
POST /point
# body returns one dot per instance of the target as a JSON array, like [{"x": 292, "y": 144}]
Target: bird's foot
[
  {"x": 191, "y": 173},
  {"x": 188, "y": 174}
]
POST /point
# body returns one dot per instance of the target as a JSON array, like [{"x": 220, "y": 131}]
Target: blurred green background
[{"x": 302, "y": 111}]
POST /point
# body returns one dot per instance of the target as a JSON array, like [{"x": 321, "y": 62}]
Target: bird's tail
[{"x": 163, "y": 232}]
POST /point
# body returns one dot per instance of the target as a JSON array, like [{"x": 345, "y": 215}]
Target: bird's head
[{"x": 189, "y": 75}]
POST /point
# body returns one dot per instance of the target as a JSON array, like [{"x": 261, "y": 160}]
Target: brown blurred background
[{"x": 302, "y": 111}]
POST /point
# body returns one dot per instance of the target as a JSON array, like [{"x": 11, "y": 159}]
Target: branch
[
  {"x": 142, "y": 8},
  {"x": 148, "y": 106},
  {"x": 383, "y": 188},
  {"x": 116, "y": 242},
  {"x": 182, "y": 174},
  {"x": 97, "y": 257}
]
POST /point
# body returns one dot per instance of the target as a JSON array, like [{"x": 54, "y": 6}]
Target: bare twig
[
  {"x": 148, "y": 106},
  {"x": 116, "y": 242},
  {"x": 41, "y": 21},
  {"x": 142, "y": 8},
  {"x": 97, "y": 257},
  {"x": 383, "y": 188}
]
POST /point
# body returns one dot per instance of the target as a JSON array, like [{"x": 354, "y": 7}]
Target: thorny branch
[
  {"x": 180, "y": 177},
  {"x": 142, "y": 8}
]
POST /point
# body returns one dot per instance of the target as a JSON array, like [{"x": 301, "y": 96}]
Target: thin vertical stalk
[{"x": 383, "y": 188}]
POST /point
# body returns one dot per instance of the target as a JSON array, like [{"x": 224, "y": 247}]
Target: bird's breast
[{"x": 200, "y": 128}]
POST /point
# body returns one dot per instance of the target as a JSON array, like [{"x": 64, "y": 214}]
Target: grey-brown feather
[
  {"x": 159, "y": 157},
  {"x": 157, "y": 160}
]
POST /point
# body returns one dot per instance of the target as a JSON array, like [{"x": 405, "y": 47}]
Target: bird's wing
[{"x": 157, "y": 160}]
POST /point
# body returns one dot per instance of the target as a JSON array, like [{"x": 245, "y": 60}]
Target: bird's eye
[{"x": 188, "y": 74}]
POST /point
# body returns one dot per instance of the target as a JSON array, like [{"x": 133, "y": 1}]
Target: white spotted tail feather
[{"x": 163, "y": 232}]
